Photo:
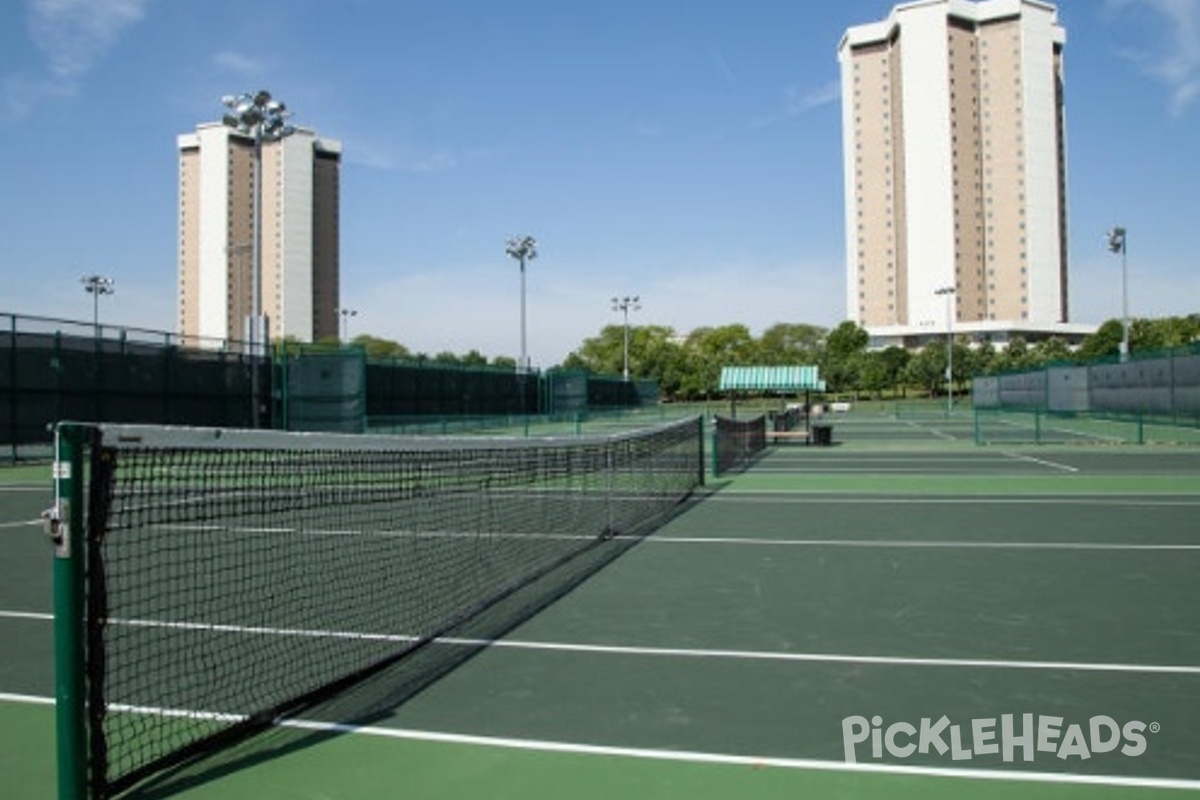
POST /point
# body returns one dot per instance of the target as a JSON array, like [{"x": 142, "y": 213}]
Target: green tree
[
  {"x": 839, "y": 360},
  {"x": 728, "y": 344},
  {"x": 377, "y": 348},
  {"x": 603, "y": 354},
  {"x": 927, "y": 368},
  {"x": 873, "y": 373},
  {"x": 1052, "y": 350},
  {"x": 895, "y": 360},
  {"x": 474, "y": 358},
  {"x": 1014, "y": 357},
  {"x": 1106, "y": 341},
  {"x": 1183, "y": 330},
  {"x": 790, "y": 344},
  {"x": 1163, "y": 333},
  {"x": 709, "y": 349},
  {"x": 981, "y": 360}
]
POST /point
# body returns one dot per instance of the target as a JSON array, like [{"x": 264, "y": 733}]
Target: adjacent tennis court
[{"x": 955, "y": 620}]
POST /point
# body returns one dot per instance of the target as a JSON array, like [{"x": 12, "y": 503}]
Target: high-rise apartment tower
[
  {"x": 955, "y": 171},
  {"x": 298, "y": 235}
]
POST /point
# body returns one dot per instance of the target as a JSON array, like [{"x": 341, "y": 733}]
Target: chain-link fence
[{"x": 53, "y": 370}]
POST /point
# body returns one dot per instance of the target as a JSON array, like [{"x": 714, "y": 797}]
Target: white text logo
[{"x": 1011, "y": 737}]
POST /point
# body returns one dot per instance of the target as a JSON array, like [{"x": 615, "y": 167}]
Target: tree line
[{"x": 687, "y": 367}]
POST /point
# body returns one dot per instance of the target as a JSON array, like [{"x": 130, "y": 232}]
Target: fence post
[{"x": 13, "y": 386}]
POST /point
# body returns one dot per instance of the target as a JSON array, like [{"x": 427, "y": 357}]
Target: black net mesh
[
  {"x": 234, "y": 578},
  {"x": 737, "y": 442}
]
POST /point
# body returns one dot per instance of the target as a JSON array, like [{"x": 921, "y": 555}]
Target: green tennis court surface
[{"x": 903, "y": 574}]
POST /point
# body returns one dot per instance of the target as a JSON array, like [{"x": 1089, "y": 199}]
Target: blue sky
[{"x": 687, "y": 151}]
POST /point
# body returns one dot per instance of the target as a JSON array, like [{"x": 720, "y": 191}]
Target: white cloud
[
  {"x": 238, "y": 64},
  {"x": 73, "y": 35},
  {"x": 797, "y": 101},
  {"x": 723, "y": 68},
  {"x": 398, "y": 158},
  {"x": 21, "y": 93},
  {"x": 1176, "y": 60}
]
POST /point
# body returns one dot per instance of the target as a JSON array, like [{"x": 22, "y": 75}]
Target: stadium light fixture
[
  {"x": 346, "y": 313},
  {"x": 948, "y": 292},
  {"x": 625, "y": 305},
  {"x": 96, "y": 285},
  {"x": 523, "y": 249},
  {"x": 1116, "y": 244}
]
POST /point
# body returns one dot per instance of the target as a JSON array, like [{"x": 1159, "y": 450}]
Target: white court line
[
  {"x": 674, "y": 652},
  {"x": 930, "y": 430},
  {"x": 9, "y": 697},
  {"x": 734, "y": 494},
  {"x": 1042, "y": 461},
  {"x": 691, "y": 756},
  {"x": 26, "y": 524},
  {"x": 820, "y": 496},
  {"x": 680, "y": 756},
  {"x": 941, "y": 459},
  {"x": 817, "y": 468},
  {"x": 910, "y": 543}
]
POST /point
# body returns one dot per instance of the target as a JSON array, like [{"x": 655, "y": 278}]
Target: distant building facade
[
  {"x": 955, "y": 172},
  {"x": 299, "y": 235}
]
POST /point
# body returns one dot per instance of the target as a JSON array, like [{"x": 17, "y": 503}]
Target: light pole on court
[
  {"x": 264, "y": 119},
  {"x": 1116, "y": 244},
  {"x": 625, "y": 305},
  {"x": 948, "y": 292},
  {"x": 96, "y": 285},
  {"x": 523, "y": 249}
]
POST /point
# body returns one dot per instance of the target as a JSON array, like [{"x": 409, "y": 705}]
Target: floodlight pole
[
  {"x": 96, "y": 285},
  {"x": 948, "y": 291},
  {"x": 1117, "y": 244},
  {"x": 264, "y": 119},
  {"x": 522, "y": 248},
  {"x": 346, "y": 314},
  {"x": 625, "y": 305}
]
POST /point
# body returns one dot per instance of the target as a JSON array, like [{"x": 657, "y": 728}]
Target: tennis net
[
  {"x": 232, "y": 578},
  {"x": 737, "y": 441}
]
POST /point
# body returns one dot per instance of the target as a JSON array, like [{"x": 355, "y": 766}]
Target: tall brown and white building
[
  {"x": 299, "y": 235},
  {"x": 955, "y": 172}
]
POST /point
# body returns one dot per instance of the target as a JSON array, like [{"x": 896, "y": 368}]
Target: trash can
[{"x": 822, "y": 434}]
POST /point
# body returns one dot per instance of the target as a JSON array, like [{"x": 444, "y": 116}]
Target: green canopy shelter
[{"x": 784, "y": 380}]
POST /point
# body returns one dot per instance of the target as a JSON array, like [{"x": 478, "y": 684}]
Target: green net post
[
  {"x": 1037, "y": 426},
  {"x": 65, "y": 526},
  {"x": 978, "y": 434},
  {"x": 1141, "y": 427},
  {"x": 712, "y": 450}
]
